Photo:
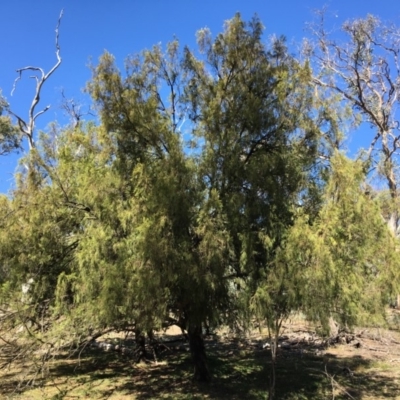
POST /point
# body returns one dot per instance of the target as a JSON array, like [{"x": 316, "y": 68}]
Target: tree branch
[{"x": 27, "y": 128}]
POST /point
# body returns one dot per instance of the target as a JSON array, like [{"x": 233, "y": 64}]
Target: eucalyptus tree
[
  {"x": 363, "y": 72},
  {"x": 27, "y": 125}
]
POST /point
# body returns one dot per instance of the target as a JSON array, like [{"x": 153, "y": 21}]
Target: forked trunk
[{"x": 198, "y": 352}]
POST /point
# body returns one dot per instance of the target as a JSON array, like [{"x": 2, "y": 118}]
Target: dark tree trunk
[
  {"x": 150, "y": 335},
  {"x": 198, "y": 352},
  {"x": 140, "y": 340},
  {"x": 272, "y": 380}
]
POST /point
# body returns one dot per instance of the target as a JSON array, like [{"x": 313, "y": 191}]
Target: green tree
[
  {"x": 178, "y": 269},
  {"x": 255, "y": 122},
  {"x": 9, "y": 134},
  {"x": 126, "y": 225},
  {"x": 351, "y": 256},
  {"x": 253, "y": 147},
  {"x": 252, "y": 108},
  {"x": 341, "y": 264}
]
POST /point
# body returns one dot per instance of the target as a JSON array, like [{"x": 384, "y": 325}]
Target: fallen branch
[{"x": 336, "y": 385}]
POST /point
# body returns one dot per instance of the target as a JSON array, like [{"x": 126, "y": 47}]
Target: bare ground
[{"x": 363, "y": 365}]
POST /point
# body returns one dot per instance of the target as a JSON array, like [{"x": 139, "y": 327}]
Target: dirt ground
[{"x": 362, "y": 365}]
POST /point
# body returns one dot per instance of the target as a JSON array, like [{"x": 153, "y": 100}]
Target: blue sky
[{"x": 125, "y": 27}]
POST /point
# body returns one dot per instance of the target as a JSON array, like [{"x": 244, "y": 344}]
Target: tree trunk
[
  {"x": 140, "y": 340},
  {"x": 198, "y": 352},
  {"x": 272, "y": 381},
  {"x": 272, "y": 377}
]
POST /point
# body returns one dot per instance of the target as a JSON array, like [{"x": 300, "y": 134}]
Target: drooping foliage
[
  {"x": 197, "y": 200},
  {"x": 343, "y": 264}
]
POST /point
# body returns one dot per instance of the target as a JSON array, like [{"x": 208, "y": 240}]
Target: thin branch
[
  {"x": 41, "y": 112},
  {"x": 336, "y": 385},
  {"x": 27, "y": 128},
  {"x": 73, "y": 110}
]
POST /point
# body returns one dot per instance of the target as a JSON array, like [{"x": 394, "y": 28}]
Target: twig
[{"x": 335, "y": 384}]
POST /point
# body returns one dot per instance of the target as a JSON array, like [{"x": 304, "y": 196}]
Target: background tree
[
  {"x": 27, "y": 126},
  {"x": 364, "y": 71},
  {"x": 10, "y": 138},
  {"x": 340, "y": 265}
]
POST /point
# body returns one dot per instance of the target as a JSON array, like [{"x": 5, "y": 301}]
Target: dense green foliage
[
  {"x": 9, "y": 134},
  {"x": 200, "y": 199}
]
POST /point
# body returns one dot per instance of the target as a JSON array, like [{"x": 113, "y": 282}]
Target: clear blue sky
[{"x": 125, "y": 27}]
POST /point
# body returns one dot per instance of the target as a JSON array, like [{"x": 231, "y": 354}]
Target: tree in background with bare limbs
[
  {"x": 27, "y": 126},
  {"x": 364, "y": 72}
]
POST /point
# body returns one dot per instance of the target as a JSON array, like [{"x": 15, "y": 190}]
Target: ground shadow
[{"x": 240, "y": 371}]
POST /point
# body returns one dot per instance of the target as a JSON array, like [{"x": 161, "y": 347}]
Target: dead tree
[
  {"x": 27, "y": 127},
  {"x": 365, "y": 73}
]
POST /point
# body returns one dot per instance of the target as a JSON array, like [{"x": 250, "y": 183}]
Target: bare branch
[
  {"x": 41, "y": 112},
  {"x": 27, "y": 128},
  {"x": 21, "y": 123},
  {"x": 365, "y": 73},
  {"x": 19, "y": 77},
  {"x": 73, "y": 109}
]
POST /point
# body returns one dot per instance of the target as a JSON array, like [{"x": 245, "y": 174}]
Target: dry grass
[{"x": 240, "y": 367}]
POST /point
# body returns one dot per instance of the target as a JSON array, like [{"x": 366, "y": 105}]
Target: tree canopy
[{"x": 210, "y": 192}]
